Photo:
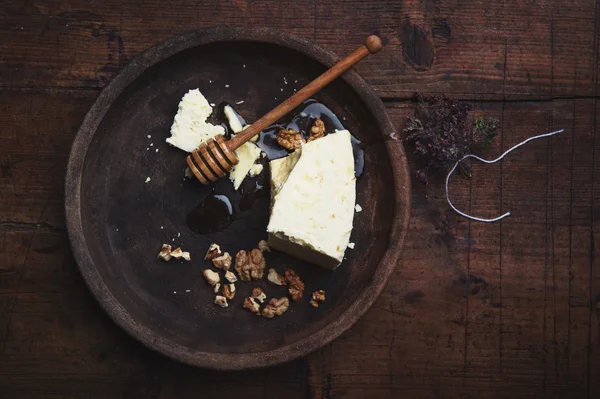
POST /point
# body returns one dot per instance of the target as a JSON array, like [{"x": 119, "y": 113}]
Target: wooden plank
[
  {"x": 511, "y": 317},
  {"x": 473, "y": 309},
  {"x": 38, "y": 128},
  {"x": 512, "y": 50},
  {"x": 55, "y": 341}
]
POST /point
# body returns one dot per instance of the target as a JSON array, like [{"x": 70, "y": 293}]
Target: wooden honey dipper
[{"x": 216, "y": 157}]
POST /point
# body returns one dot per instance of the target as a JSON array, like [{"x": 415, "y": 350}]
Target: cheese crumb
[
  {"x": 351, "y": 245},
  {"x": 147, "y": 180},
  {"x": 357, "y": 208},
  {"x": 256, "y": 169}
]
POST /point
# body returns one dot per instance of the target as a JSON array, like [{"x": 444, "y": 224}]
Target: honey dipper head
[{"x": 211, "y": 160}]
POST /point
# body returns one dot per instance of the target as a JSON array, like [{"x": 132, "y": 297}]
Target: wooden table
[{"x": 510, "y": 309}]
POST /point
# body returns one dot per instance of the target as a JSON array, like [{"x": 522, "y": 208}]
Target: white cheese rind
[
  {"x": 313, "y": 209},
  {"x": 189, "y": 128}
]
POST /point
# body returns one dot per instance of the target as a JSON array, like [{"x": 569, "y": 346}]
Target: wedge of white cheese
[
  {"x": 313, "y": 200},
  {"x": 190, "y": 128}
]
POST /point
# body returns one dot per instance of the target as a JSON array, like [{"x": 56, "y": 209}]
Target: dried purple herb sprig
[{"x": 442, "y": 133}]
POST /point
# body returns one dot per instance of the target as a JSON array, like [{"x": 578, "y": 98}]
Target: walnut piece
[
  {"x": 264, "y": 246},
  {"x": 317, "y": 130},
  {"x": 251, "y": 305},
  {"x": 258, "y": 294},
  {"x": 229, "y": 291},
  {"x": 212, "y": 277},
  {"x": 250, "y": 266},
  {"x": 221, "y": 301},
  {"x": 296, "y": 286},
  {"x": 165, "y": 252},
  {"x": 275, "y": 277},
  {"x": 276, "y": 307},
  {"x": 229, "y": 276},
  {"x": 317, "y": 298},
  {"x": 223, "y": 261},
  {"x": 290, "y": 139},
  {"x": 178, "y": 253},
  {"x": 214, "y": 251}
]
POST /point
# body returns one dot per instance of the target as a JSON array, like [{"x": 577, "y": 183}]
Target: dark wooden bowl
[{"x": 117, "y": 223}]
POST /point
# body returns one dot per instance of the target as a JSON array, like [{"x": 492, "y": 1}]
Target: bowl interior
[{"x": 125, "y": 220}]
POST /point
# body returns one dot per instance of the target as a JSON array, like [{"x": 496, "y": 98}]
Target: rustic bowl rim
[{"x": 231, "y": 361}]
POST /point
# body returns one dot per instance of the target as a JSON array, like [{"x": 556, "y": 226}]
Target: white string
[{"x": 488, "y": 162}]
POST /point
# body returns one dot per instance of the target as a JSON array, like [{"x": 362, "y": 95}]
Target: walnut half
[
  {"x": 276, "y": 307},
  {"x": 317, "y": 298},
  {"x": 290, "y": 139},
  {"x": 296, "y": 286},
  {"x": 250, "y": 266}
]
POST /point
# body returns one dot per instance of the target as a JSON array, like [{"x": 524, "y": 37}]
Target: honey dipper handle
[{"x": 372, "y": 45}]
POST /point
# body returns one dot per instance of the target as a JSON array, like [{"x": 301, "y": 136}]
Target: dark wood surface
[{"x": 510, "y": 309}]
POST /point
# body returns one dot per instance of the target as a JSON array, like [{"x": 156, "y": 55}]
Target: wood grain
[
  {"x": 535, "y": 49},
  {"x": 473, "y": 310}
]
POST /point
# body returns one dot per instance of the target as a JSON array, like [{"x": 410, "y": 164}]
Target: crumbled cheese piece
[
  {"x": 234, "y": 122},
  {"x": 357, "y": 208},
  {"x": 351, "y": 245},
  {"x": 147, "y": 180},
  {"x": 247, "y": 155},
  {"x": 256, "y": 169},
  {"x": 190, "y": 128}
]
